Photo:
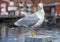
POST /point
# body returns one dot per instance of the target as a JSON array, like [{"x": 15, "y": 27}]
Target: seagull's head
[
  {"x": 40, "y": 9},
  {"x": 40, "y": 5}
]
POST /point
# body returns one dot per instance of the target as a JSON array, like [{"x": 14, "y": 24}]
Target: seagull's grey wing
[{"x": 29, "y": 20}]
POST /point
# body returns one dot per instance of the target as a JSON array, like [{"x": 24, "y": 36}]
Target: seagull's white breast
[{"x": 41, "y": 19}]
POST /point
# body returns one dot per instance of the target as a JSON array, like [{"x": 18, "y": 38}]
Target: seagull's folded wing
[{"x": 29, "y": 20}]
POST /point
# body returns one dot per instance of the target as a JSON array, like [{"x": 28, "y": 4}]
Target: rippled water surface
[{"x": 15, "y": 35}]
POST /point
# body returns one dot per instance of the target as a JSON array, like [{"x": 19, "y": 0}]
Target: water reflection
[{"x": 16, "y": 35}]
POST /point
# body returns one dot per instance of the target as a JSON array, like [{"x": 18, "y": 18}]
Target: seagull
[{"x": 32, "y": 20}]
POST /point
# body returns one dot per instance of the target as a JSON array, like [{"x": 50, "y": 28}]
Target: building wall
[
  {"x": 58, "y": 9},
  {"x": 48, "y": 1},
  {"x": 57, "y": 0},
  {"x": 35, "y": 2},
  {"x": 57, "y": 6},
  {"x": 1, "y": 1}
]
